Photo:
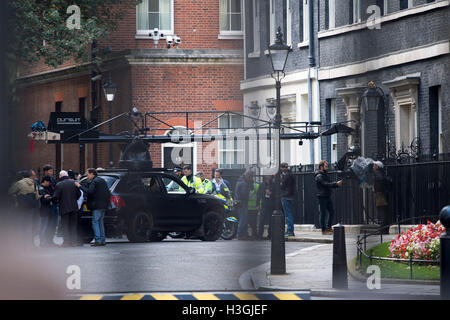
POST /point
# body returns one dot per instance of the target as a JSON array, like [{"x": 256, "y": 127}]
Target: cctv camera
[
  {"x": 177, "y": 39},
  {"x": 169, "y": 40},
  {"x": 96, "y": 78},
  {"x": 155, "y": 32}
]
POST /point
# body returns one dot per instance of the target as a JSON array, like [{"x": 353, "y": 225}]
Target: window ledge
[
  {"x": 303, "y": 44},
  {"x": 255, "y": 54},
  {"x": 231, "y": 36},
  {"x": 145, "y": 36},
  {"x": 389, "y": 17}
]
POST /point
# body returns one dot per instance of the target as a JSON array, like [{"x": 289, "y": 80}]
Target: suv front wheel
[
  {"x": 212, "y": 226},
  {"x": 139, "y": 227}
]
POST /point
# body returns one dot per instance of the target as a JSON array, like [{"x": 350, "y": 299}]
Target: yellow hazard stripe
[
  {"x": 246, "y": 296},
  {"x": 287, "y": 296},
  {"x": 205, "y": 296},
  {"x": 132, "y": 297},
  {"x": 164, "y": 297},
  {"x": 91, "y": 297}
]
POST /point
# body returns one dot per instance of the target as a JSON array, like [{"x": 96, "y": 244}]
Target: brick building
[
  {"x": 202, "y": 73},
  {"x": 403, "y": 46}
]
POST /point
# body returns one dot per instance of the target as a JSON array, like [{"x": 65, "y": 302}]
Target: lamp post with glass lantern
[
  {"x": 109, "y": 89},
  {"x": 278, "y": 53},
  {"x": 255, "y": 111}
]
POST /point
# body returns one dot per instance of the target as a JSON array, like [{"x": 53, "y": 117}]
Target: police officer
[
  {"x": 253, "y": 209},
  {"x": 190, "y": 180},
  {"x": 206, "y": 184}
]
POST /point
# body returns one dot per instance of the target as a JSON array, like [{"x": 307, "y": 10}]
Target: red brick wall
[
  {"x": 186, "y": 88},
  {"x": 196, "y": 22},
  {"x": 148, "y": 87},
  {"x": 35, "y": 103}
]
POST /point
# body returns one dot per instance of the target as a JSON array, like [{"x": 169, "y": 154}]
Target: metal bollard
[
  {"x": 340, "y": 280},
  {"x": 444, "y": 217},
  {"x": 278, "y": 252}
]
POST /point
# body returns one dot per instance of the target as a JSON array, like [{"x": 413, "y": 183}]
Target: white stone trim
[
  {"x": 267, "y": 81},
  {"x": 254, "y": 54},
  {"x": 230, "y": 36},
  {"x": 385, "y": 61},
  {"x": 303, "y": 44},
  {"x": 389, "y": 17}
]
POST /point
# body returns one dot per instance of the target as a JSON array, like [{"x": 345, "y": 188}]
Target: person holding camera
[{"x": 324, "y": 188}]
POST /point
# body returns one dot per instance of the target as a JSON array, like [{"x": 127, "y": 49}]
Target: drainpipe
[{"x": 312, "y": 64}]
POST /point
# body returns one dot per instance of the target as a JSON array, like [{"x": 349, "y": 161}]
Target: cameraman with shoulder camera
[{"x": 324, "y": 188}]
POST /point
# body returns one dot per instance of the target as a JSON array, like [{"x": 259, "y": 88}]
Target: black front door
[{"x": 178, "y": 157}]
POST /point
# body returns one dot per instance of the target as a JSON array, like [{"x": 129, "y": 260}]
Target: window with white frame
[
  {"x": 441, "y": 140},
  {"x": 330, "y": 14},
  {"x": 356, "y": 11},
  {"x": 333, "y": 119},
  {"x": 272, "y": 21},
  {"x": 231, "y": 149},
  {"x": 288, "y": 23},
  {"x": 230, "y": 17},
  {"x": 406, "y": 4},
  {"x": 153, "y": 14},
  {"x": 305, "y": 10},
  {"x": 256, "y": 27}
]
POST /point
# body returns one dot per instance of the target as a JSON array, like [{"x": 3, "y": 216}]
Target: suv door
[{"x": 182, "y": 206}]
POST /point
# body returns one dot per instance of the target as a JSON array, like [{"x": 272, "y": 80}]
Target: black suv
[{"x": 147, "y": 205}]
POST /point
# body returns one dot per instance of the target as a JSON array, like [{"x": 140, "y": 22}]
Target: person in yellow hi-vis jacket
[
  {"x": 207, "y": 185},
  {"x": 253, "y": 209},
  {"x": 192, "y": 181}
]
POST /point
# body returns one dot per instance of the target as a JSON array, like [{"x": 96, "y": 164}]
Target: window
[
  {"x": 231, "y": 149},
  {"x": 435, "y": 119},
  {"x": 272, "y": 30},
  {"x": 230, "y": 16},
  {"x": 153, "y": 14},
  {"x": 305, "y": 26},
  {"x": 405, "y": 4},
  {"x": 151, "y": 185},
  {"x": 172, "y": 186},
  {"x": 330, "y": 16},
  {"x": 288, "y": 22},
  {"x": 256, "y": 27},
  {"x": 333, "y": 119},
  {"x": 355, "y": 11}
]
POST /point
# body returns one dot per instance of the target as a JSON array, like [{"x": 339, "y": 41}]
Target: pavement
[{"x": 311, "y": 269}]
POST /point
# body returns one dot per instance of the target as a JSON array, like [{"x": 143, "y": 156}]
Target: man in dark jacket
[
  {"x": 48, "y": 223},
  {"x": 241, "y": 194},
  {"x": 266, "y": 196},
  {"x": 98, "y": 197},
  {"x": 67, "y": 194},
  {"x": 287, "y": 196},
  {"x": 324, "y": 188}
]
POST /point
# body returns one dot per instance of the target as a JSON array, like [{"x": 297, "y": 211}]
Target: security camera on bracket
[
  {"x": 156, "y": 36},
  {"x": 169, "y": 41},
  {"x": 173, "y": 41}
]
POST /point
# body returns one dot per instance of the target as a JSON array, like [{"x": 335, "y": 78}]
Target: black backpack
[{"x": 27, "y": 201}]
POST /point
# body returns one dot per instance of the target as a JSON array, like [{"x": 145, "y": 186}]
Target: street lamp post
[
  {"x": 255, "y": 111},
  {"x": 371, "y": 99},
  {"x": 109, "y": 89},
  {"x": 278, "y": 53}
]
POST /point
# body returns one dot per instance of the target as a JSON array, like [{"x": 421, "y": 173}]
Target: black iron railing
[{"x": 361, "y": 244}]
